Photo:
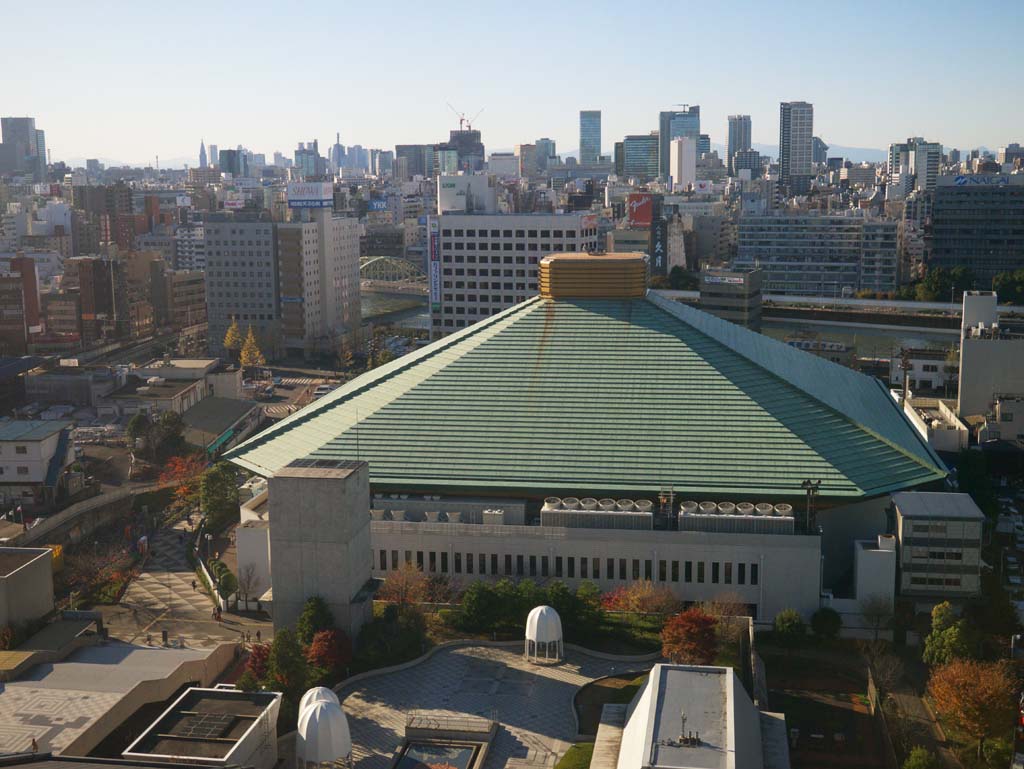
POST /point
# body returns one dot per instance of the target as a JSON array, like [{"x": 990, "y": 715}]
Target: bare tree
[
  {"x": 877, "y": 611},
  {"x": 728, "y": 608},
  {"x": 248, "y": 580}
]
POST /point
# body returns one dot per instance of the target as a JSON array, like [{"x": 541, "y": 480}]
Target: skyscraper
[
  {"x": 739, "y": 139},
  {"x": 640, "y": 155},
  {"x": 796, "y": 127},
  {"x": 545, "y": 150},
  {"x": 337, "y": 152},
  {"x": 202, "y": 154},
  {"x": 674, "y": 124},
  {"x": 21, "y": 146},
  {"x": 683, "y": 165},
  {"x": 918, "y": 158},
  {"x": 214, "y": 156},
  {"x": 590, "y": 137},
  {"x": 819, "y": 151}
]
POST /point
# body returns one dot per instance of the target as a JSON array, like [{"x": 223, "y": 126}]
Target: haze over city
[{"x": 136, "y": 81}]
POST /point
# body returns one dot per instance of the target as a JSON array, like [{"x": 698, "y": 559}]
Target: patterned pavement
[
  {"x": 533, "y": 703},
  {"x": 165, "y": 585}
]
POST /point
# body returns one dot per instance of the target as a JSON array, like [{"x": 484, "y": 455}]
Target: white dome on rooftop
[
  {"x": 317, "y": 694},
  {"x": 323, "y": 735}
]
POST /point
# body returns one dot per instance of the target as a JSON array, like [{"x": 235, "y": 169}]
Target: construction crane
[{"x": 463, "y": 120}]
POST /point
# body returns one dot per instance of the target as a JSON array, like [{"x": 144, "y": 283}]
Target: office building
[
  {"x": 918, "y": 158},
  {"x": 862, "y": 175},
  {"x": 991, "y": 357},
  {"x": 682, "y": 164},
  {"x": 202, "y": 154},
  {"x": 233, "y": 162},
  {"x": 481, "y": 264},
  {"x": 546, "y": 153},
  {"x": 819, "y": 151},
  {"x": 590, "y": 137},
  {"x": 503, "y": 164},
  {"x": 214, "y": 156},
  {"x": 241, "y": 278},
  {"x": 526, "y": 157},
  {"x": 796, "y": 127},
  {"x": 1010, "y": 154},
  {"x": 747, "y": 160},
  {"x": 739, "y": 139},
  {"x": 819, "y": 255},
  {"x": 703, "y": 145},
  {"x": 471, "y": 460},
  {"x": 20, "y": 150},
  {"x": 318, "y": 267},
  {"x": 978, "y": 223},
  {"x": 732, "y": 295},
  {"x": 640, "y": 156},
  {"x": 675, "y": 124},
  {"x": 939, "y": 536},
  {"x": 308, "y": 161},
  {"x": 419, "y": 158},
  {"x": 469, "y": 149}
]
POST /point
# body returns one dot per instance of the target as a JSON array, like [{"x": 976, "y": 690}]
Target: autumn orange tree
[
  {"x": 330, "y": 651},
  {"x": 641, "y": 597},
  {"x": 405, "y": 586},
  {"x": 187, "y": 472},
  {"x": 978, "y": 697},
  {"x": 690, "y": 638}
]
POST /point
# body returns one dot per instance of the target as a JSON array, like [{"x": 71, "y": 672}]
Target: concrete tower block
[{"x": 320, "y": 542}]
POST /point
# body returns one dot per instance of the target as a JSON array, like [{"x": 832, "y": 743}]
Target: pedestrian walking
[
  {"x": 35, "y": 745},
  {"x": 193, "y": 586},
  {"x": 257, "y": 636}
]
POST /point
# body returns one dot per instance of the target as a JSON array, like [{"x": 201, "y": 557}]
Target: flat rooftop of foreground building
[
  {"x": 687, "y": 701},
  {"x": 201, "y": 724},
  {"x": 937, "y": 504},
  {"x": 619, "y": 396},
  {"x": 57, "y": 703}
]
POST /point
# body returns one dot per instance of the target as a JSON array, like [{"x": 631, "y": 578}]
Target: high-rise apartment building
[
  {"x": 214, "y": 156},
  {"x": 739, "y": 139},
  {"x": 526, "y": 157},
  {"x": 673, "y": 124},
  {"x": 796, "y": 129},
  {"x": 241, "y": 278},
  {"x": 189, "y": 248},
  {"x": 590, "y": 137},
  {"x": 318, "y": 268},
  {"x": 683, "y": 163},
  {"x": 978, "y": 223},
  {"x": 641, "y": 155},
  {"x": 481, "y": 264},
  {"x": 233, "y": 162},
  {"x": 819, "y": 151},
  {"x": 20, "y": 151},
  {"x": 918, "y": 158},
  {"x": 819, "y": 255}
]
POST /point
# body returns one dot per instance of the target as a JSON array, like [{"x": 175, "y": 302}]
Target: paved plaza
[
  {"x": 162, "y": 598},
  {"x": 533, "y": 703}
]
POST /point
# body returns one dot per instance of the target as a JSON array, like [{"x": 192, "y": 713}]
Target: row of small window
[
  {"x": 545, "y": 247},
  {"x": 20, "y": 471},
  {"x": 508, "y": 233},
  {"x": 727, "y": 573},
  {"x": 936, "y": 555},
  {"x": 17, "y": 449},
  {"x": 936, "y": 581},
  {"x": 493, "y": 285},
  {"x": 482, "y": 298},
  {"x": 928, "y": 528},
  {"x": 484, "y": 272}
]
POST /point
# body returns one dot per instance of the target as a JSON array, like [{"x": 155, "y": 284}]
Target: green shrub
[
  {"x": 920, "y": 758},
  {"x": 314, "y": 618},
  {"x": 789, "y": 626},
  {"x": 826, "y": 622}
]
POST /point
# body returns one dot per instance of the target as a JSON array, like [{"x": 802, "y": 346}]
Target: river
[{"x": 882, "y": 342}]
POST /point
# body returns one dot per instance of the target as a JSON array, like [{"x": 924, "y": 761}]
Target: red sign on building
[{"x": 639, "y": 209}]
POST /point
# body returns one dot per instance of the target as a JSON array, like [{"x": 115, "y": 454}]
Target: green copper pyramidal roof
[{"x": 608, "y": 396}]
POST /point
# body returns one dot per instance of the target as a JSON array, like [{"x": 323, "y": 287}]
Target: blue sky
[{"x": 129, "y": 81}]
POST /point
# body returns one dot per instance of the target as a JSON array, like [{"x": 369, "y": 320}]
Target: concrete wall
[
  {"x": 252, "y": 541},
  {"x": 26, "y": 594},
  {"x": 788, "y": 565},
  {"x": 843, "y": 525},
  {"x": 989, "y": 367},
  {"x": 320, "y": 541}
]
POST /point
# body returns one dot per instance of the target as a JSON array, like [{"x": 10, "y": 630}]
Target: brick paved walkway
[{"x": 533, "y": 703}]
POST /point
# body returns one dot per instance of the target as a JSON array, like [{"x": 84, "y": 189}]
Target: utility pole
[{"x": 905, "y": 366}]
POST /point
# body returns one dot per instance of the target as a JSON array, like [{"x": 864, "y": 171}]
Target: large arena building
[{"x": 599, "y": 431}]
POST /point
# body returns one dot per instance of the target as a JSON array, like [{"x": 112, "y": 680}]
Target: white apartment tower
[
  {"x": 480, "y": 264},
  {"x": 739, "y": 139},
  {"x": 919, "y": 158},
  {"x": 682, "y": 163},
  {"x": 318, "y": 257}
]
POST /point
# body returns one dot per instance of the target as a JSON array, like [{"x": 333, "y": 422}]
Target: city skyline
[{"x": 93, "y": 119}]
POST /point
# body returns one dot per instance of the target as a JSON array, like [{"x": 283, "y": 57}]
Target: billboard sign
[
  {"x": 589, "y": 222},
  {"x": 234, "y": 201},
  {"x": 639, "y": 209},
  {"x": 975, "y": 179},
  {"x": 435, "y": 267},
  {"x": 730, "y": 280},
  {"x": 183, "y": 201},
  {"x": 659, "y": 247},
  {"x": 703, "y": 187},
  {"x": 310, "y": 195},
  {"x": 377, "y": 204}
]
